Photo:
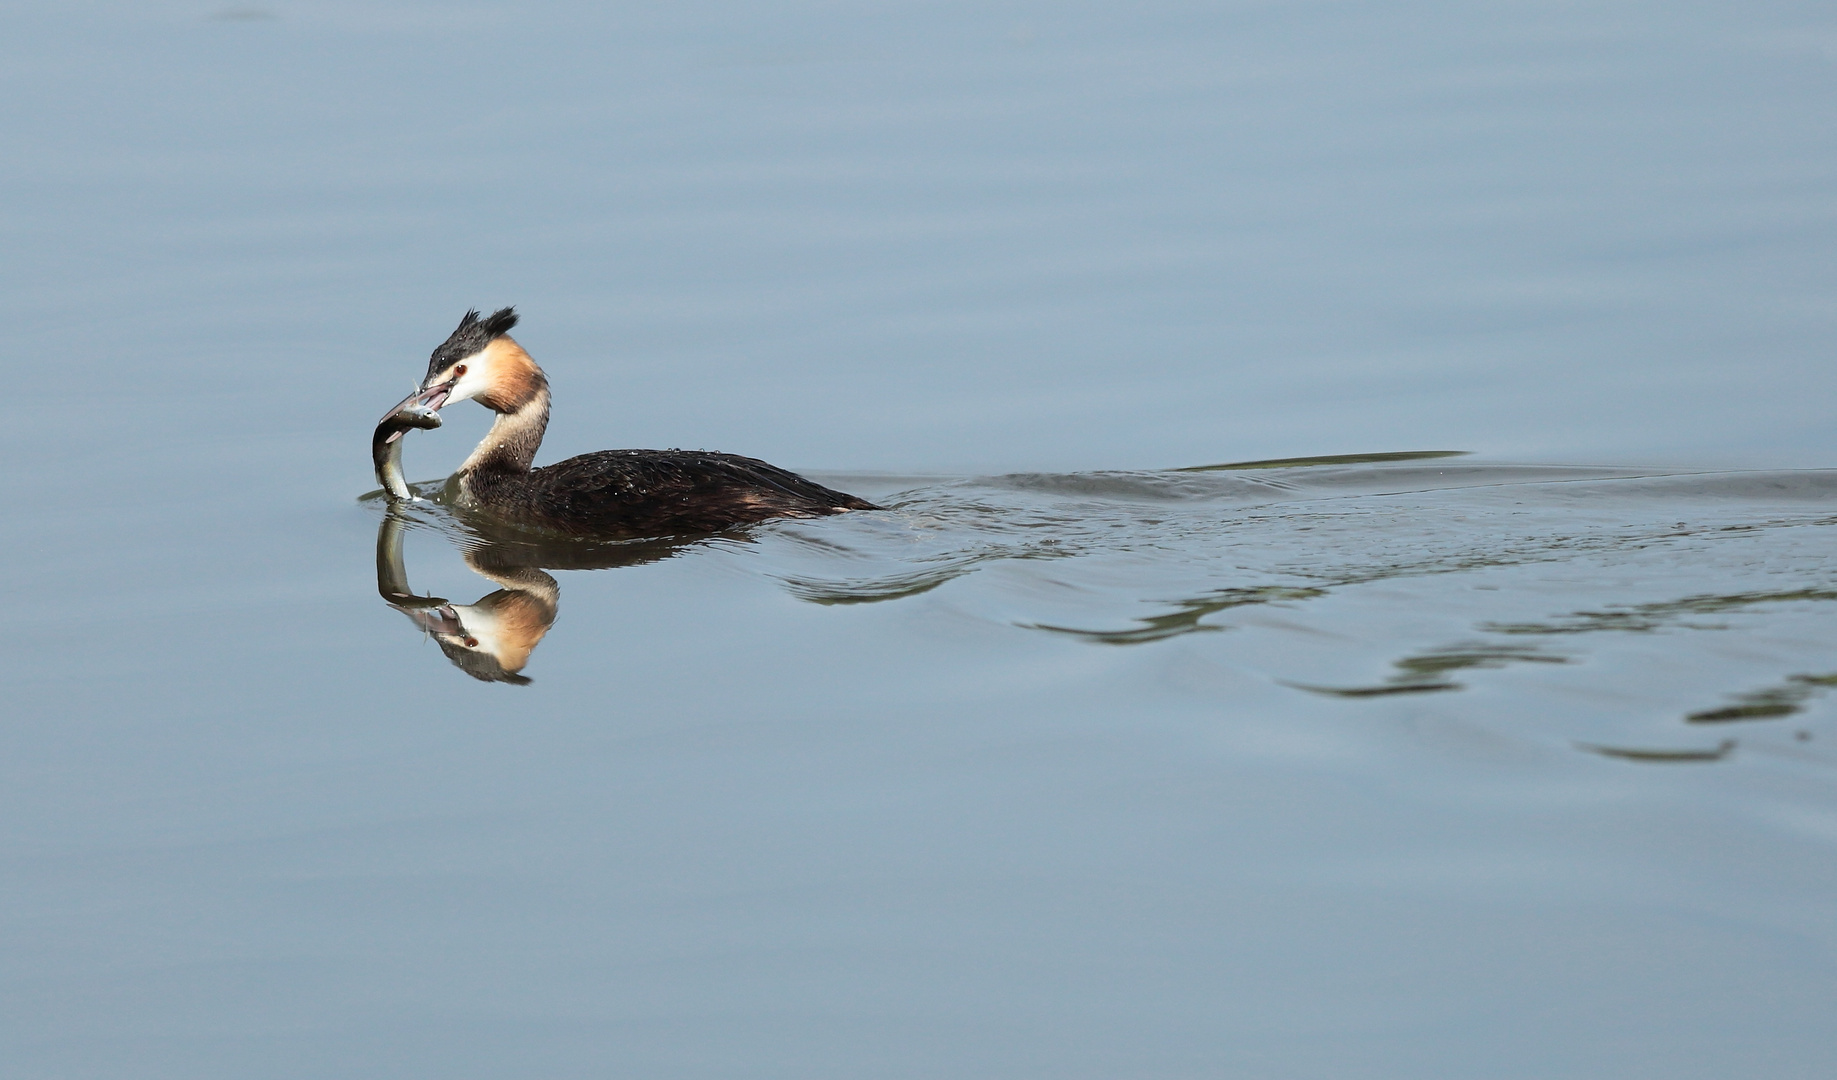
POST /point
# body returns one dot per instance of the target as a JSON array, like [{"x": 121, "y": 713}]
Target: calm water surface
[{"x": 1088, "y": 757}]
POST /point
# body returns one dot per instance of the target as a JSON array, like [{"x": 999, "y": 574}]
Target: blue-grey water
[{"x": 1084, "y": 758}]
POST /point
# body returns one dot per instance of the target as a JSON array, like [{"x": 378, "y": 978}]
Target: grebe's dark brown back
[{"x": 609, "y": 493}]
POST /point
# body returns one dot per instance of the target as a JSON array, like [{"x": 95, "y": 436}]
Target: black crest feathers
[
  {"x": 472, "y": 336},
  {"x": 500, "y": 321}
]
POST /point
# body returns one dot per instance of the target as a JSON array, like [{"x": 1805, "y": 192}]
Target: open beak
[
  {"x": 417, "y": 410},
  {"x": 434, "y": 620}
]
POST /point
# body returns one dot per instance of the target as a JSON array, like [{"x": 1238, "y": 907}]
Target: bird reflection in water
[{"x": 491, "y": 638}]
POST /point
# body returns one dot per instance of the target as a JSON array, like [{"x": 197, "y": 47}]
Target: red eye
[{"x": 460, "y": 370}]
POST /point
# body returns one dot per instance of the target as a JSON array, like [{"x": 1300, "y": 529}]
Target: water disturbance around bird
[{"x": 1356, "y": 577}]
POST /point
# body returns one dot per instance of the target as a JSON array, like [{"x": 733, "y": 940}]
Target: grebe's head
[
  {"x": 480, "y": 362},
  {"x": 491, "y": 639}
]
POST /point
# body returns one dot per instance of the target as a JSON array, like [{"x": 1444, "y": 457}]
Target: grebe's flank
[{"x": 608, "y": 493}]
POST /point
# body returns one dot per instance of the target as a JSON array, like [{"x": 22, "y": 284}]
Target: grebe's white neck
[{"x": 515, "y": 436}]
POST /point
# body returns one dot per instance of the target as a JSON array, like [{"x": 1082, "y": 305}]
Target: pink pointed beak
[{"x": 420, "y": 409}]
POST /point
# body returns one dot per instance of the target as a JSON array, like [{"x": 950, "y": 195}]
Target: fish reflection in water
[{"x": 492, "y": 637}]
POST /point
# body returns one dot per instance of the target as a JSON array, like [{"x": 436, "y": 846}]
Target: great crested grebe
[{"x": 608, "y": 493}]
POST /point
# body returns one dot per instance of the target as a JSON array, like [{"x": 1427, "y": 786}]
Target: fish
[{"x": 386, "y": 442}]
